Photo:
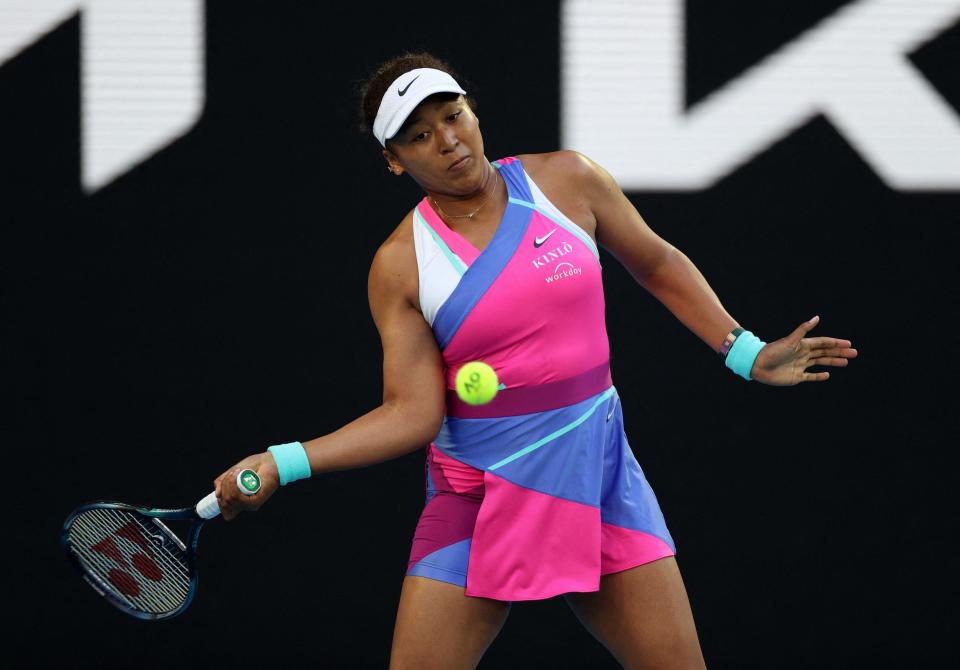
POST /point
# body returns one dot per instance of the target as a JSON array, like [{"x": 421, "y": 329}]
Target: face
[{"x": 437, "y": 134}]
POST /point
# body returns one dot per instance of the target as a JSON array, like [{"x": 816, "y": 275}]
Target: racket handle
[
  {"x": 247, "y": 481},
  {"x": 208, "y": 508}
]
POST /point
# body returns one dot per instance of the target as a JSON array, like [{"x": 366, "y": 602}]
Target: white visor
[{"x": 405, "y": 94}]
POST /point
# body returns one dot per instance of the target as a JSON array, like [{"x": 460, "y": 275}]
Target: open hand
[{"x": 785, "y": 361}]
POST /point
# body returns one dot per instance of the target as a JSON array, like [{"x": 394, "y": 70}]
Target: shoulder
[
  {"x": 566, "y": 162},
  {"x": 571, "y": 172},
  {"x": 394, "y": 266}
]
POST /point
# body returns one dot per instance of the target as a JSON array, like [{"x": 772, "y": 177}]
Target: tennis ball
[{"x": 477, "y": 383}]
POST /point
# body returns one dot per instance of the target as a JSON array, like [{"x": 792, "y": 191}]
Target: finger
[
  {"x": 228, "y": 492},
  {"x": 828, "y": 342},
  {"x": 829, "y": 360},
  {"x": 235, "y": 497},
  {"x": 803, "y": 329},
  {"x": 815, "y": 376},
  {"x": 845, "y": 353},
  {"x": 228, "y": 507}
]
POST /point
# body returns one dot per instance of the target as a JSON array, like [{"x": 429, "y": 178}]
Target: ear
[{"x": 392, "y": 163}]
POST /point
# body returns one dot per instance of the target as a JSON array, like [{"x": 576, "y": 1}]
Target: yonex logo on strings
[{"x": 140, "y": 561}]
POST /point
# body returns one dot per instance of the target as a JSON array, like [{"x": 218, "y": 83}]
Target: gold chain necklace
[{"x": 496, "y": 174}]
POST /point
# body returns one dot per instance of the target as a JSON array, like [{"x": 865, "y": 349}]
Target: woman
[{"x": 537, "y": 493}]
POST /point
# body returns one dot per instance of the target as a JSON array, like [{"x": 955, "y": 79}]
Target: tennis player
[{"x": 537, "y": 493}]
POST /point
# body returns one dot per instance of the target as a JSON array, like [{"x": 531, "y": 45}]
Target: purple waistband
[{"x": 529, "y": 399}]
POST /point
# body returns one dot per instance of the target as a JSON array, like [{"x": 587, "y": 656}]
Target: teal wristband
[
  {"x": 743, "y": 353},
  {"x": 292, "y": 462}
]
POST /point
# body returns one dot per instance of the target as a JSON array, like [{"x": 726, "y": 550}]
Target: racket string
[
  {"x": 142, "y": 601},
  {"x": 98, "y": 528},
  {"x": 148, "y": 597},
  {"x": 122, "y": 520},
  {"x": 173, "y": 567},
  {"x": 147, "y": 525},
  {"x": 161, "y": 597}
]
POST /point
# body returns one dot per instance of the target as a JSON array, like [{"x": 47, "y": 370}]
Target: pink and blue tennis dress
[{"x": 536, "y": 493}]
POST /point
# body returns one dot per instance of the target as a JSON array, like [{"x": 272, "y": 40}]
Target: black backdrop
[{"x": 212, "y": 301}]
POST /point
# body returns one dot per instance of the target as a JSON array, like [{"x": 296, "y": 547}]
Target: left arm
[
  {"x": 675, "y": 281},
  {"x": 654, "y": 263},
  {"x": 681, "y": 287}
]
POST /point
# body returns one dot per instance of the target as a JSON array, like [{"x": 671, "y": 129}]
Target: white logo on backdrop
[
  {"x": 141, "y": 73},
  {"x": 623, "y": 94}
]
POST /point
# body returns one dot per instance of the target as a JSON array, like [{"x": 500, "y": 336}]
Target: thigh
[
  {"x": 642, "y": 615},
  {"x": 440, "y": 627}
]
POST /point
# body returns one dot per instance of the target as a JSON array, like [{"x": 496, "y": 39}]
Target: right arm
[
  {"x": 413, "y": 388},
  {"x": 413, "y": 383}
]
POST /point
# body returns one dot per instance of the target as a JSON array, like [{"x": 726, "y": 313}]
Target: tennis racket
[{"x": 131, "y": 558}]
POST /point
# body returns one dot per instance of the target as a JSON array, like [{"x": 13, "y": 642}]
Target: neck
[{"x": 463, "y": 206}]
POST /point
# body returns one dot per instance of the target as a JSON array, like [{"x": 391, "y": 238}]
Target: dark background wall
[{"x": 212, "y": 301}]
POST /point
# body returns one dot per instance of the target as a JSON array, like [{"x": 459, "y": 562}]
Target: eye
[
  {"x": 419, "y": 137},
  {"x": 453, "y": 117}
]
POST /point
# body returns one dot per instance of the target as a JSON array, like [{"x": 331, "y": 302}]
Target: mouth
[{"x": 458, "y": 163}]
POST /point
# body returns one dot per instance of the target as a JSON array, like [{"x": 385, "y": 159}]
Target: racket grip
[
  {"x": 208, "y": 508},
  {"x": 247, "y": 481}
]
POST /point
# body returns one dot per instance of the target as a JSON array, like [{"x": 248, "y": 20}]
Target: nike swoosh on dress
[{"x": 538, "y": 241}]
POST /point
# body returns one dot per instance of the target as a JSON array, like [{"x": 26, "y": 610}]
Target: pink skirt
[{"x": 532, "y": 506}]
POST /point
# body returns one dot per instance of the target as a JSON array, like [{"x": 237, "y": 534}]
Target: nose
[{"x": 448, "y": 139}]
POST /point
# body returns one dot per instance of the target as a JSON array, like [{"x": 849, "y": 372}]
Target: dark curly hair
[{"x": 371, "y": 89}]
